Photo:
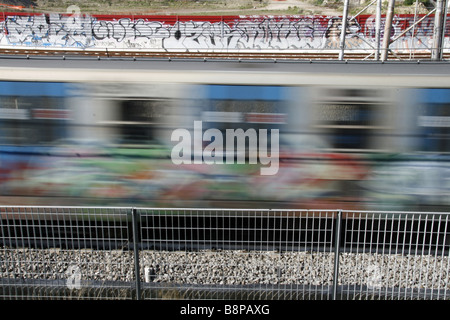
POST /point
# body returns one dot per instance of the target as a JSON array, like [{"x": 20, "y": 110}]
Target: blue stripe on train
[
  {"x": 33, "y": 89},
  {"x": 230, "y": 92},
  {"x": 435, "y": 95}
]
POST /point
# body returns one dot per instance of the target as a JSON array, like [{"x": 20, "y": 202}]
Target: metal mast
[
  {"x": 387, "y": 30},
  {"x": 439, "y": 30},
  {"x": 343, "y": 30}
]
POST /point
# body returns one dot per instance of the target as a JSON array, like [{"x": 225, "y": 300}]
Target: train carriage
[{"x": 351, "y": 135}]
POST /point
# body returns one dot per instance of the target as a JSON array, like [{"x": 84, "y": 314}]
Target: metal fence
[{"x": 154, "y": 253}]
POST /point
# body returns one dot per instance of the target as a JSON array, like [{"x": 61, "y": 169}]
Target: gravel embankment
[{"x": 229, "y": 267}]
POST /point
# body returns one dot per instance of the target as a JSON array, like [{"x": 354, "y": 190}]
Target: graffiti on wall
[{"x": 229, "y": 33}]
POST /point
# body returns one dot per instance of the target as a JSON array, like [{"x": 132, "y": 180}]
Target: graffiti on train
[{"x": 245, "y": 32}]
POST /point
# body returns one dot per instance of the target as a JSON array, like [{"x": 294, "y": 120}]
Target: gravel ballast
[{"x": 228, "y": 267}]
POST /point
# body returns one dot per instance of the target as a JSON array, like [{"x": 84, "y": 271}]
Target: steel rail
[{"x": 301, "y": 55}]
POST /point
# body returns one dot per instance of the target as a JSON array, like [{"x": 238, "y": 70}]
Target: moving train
[{"x": 127, "y": 132}]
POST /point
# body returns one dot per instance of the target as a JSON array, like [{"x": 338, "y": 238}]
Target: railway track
[{"x": 329, "y": 55}]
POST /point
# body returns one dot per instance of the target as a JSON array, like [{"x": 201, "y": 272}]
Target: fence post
[
  {"x": 134, "y": 218},
  {"x": 337, "y": 246}
]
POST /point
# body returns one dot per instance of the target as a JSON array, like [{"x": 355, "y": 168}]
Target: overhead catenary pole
[
  {"x": 387, "y": 30},
  {"x": 436, "y": 50},
  {"x": 377, "y": 30},
  {"x": 343, "y": 30},
  {"x": 444, "y": 26}
]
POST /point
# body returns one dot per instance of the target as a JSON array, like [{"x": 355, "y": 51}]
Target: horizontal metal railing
[{"x": 168, "y": 253}]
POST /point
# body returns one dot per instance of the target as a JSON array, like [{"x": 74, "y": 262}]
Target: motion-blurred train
[{"x": 99, "y": 132}]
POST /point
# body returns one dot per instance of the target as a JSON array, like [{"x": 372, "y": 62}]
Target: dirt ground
[
  {"x": 202, "y": 7},
  {"x": 181, "y": 7},
  {"x": 304, "y": 6}
]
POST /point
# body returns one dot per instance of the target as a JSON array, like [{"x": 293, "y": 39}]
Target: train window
[
  {"x": 243, "y": 114},
  {"x": 245, "y": 106},
  {"x": 26, "y": 120},
  {"x": 345, "y": 114},
  {"x": 349, "y": 125},
  {"x": 139, "y": 118},
  {"x": 434, "y": 119},
  {"x": 255, "y": 114},
  {"x": 250, "y": 106},
  {"x": 351, "y": 119}
]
